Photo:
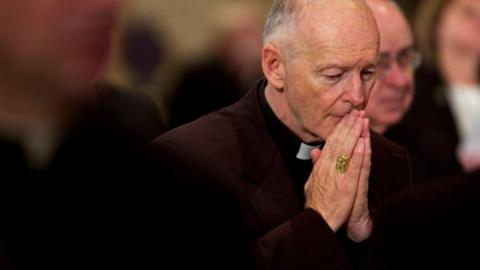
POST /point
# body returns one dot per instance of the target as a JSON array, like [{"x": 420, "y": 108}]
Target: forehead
[
  {"x": 394, "y": 29},
  {"x": 464, "y": 8},
  {"x": 339, "y": 30},
  {"x": 26, "y": 5},
  {"x": 44, "y": 7},
  {"x": 469, "y": 3},
  {"x": 29, "y": 10}
]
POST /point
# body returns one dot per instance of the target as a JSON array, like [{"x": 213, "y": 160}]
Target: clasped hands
[{"x": 341, "y": 196}]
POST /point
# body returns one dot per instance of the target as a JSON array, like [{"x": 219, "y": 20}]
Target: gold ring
[{"x": 342, "y": 163}]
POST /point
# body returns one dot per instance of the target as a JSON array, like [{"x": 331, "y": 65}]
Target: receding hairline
[
  {"x": 380, "y": 7},
  {"x": 286, "y": 15},
  {"x": 283, "y": 14}
]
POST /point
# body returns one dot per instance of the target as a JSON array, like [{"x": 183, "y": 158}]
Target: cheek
[
  {"x": 323, "y": 110},
  {"x": 373, "y": 100},
  {"x": 375, "y": 93},
  {"x": 328, "y": 126},
  {"x": 454, "y": 29},
  {"x": 299, "y": 89}
]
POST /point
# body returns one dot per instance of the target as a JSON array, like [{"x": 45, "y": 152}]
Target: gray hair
[{"x": 282, "y": 15}]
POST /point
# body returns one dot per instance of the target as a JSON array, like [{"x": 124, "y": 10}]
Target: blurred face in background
[
  {"x": 56, "y": 43},
  {"x": 459, "y": 25},
  {"x": 393, "y": 92}
]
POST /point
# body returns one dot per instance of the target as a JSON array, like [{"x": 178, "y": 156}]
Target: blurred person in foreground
[
  {"x": 221, "y": 78},
  {"x": 431, "y": 227},
  {"x": 448, "y": 96},
  {"x": 393, "y": 93},
  {"x": 291, "y": 212},
  {"x": 67, "y": 145}
]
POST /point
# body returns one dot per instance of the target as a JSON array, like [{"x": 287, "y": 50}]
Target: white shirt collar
[
  {"x": 304, "y": 151},
  {"x": 465, "y": 105}
]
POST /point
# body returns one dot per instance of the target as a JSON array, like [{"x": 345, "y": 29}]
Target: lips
[
  {"x": 392, "y": 100},
  {"x": 393, "y": 104}
]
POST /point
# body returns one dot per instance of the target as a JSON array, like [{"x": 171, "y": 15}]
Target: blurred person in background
[
  {"x": 144, "y": 51},
  {"x": 220, "y": 79},
  {"x": 435, "y": 225},
  {"x": 67, "y": 144},
  {"x": 448, "y": 96},
  {"x": 394, "y": 91}
]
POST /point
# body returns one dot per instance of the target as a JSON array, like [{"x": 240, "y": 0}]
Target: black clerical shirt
[{"x": 288, "y": 143}]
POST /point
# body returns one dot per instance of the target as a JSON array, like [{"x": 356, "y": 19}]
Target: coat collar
[
  {"x": 261, "y": 163},
  {"x": 257, "y": 149}
]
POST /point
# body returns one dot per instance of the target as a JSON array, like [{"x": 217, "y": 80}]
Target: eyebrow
[{"x": 376, "y": 61}]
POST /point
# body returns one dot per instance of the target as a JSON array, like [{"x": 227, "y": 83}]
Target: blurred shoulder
[
  {"x": 205, "y": 136},
  {"x": 384, "y": 147}
]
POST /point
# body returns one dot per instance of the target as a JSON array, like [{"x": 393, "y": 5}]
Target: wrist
[
  {"x": 360, "y": 230},
  {"x": 329, "y": 219}
]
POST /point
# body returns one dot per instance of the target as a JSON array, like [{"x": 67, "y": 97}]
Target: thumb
[{"x": 315, "y": 154}]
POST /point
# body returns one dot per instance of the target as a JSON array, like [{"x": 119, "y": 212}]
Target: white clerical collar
[{"x": 305, "y": 150}]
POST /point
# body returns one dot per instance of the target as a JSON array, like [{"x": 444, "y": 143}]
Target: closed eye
[
  {"x": 332, "y": 78},
  {"x": 368, "y": 75}
]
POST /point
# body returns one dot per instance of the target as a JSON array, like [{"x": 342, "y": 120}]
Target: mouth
[{"x": 393, "y": 102}]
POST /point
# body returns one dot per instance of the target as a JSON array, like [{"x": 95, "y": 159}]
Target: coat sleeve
[{"x": 303, "y": 242}]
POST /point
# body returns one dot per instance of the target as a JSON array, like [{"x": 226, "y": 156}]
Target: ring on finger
[{"x": 342, "y": 163}]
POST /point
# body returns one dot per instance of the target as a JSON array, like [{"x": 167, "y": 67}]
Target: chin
[
  {"x": 324, "y": 133},
  {"x": 394, "y": 120}
]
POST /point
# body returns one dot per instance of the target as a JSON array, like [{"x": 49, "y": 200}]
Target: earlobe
[{"x": 273, "y": 66}]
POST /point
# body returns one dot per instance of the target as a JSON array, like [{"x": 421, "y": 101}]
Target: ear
[{"x": 273, "y": 65}]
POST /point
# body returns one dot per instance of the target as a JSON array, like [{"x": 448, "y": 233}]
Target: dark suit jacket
[
  {"x": 431, "y": 108},
  {"x": 232, "y": 152},
  {"x": 432, "y": 158},
  {"x": 433, "y": 227},
  {"x": 77, "y": 212}
]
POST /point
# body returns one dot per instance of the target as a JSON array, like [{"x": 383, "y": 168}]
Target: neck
[
  {"x": 378, "y": 127},
  {"x": 459, "y": 66},
  {"x": 280, "y": 108}
]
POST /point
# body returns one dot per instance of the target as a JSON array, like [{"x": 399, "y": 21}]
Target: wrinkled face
[
  {"x": 64, "y": 41},
  {"x": 394, "y": 90},
  {"x": 331, "y": 70},
  {"x": 459, "y": 25}
]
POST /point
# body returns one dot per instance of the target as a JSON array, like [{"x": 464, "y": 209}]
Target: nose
[
  {"x": 397, "y": 76},
  {"x": 355, "y": 95}
]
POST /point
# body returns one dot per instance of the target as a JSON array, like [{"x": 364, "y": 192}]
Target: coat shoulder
[
  {"x": 208, "y": 134},
  {"x": 391, "y": 170},
  {"x": 384, "y": 147}
]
